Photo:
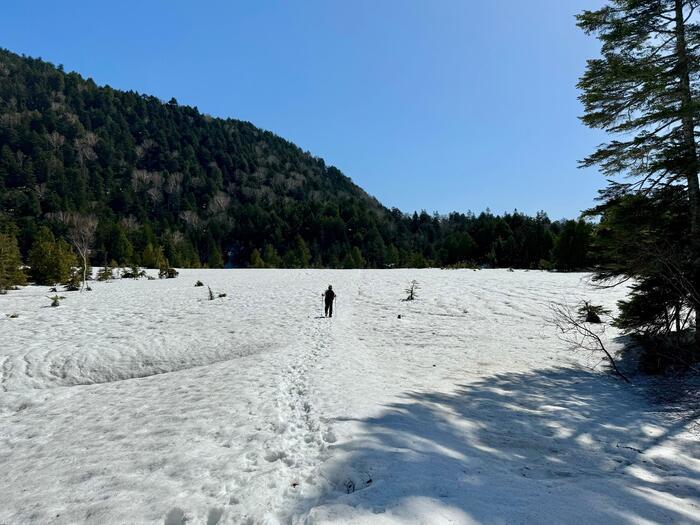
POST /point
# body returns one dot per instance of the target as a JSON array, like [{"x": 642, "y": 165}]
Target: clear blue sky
[{"x": 436, "y": 104}]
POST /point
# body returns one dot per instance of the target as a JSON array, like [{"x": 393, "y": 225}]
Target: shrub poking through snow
[
  {"x": 211, "y": 294},
  {"x": 105, "y": 274},
  {"x": 74, "y": 282},
  {"x": 133, "y": 273},
  {"x": 413, "y": 286},
  {"x": 199, "y": 283},
  {"x": 167, "y": 273},
  {"x": 56, "y": 300},
  {"x": 221, "y": 295},
  {"x": 591, "y": 313}
]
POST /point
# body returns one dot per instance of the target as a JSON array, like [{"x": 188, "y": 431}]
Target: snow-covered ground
[{"x": 144, "y": 402}]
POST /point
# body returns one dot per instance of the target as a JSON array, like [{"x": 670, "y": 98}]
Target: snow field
[{"x": 143, "y": 402}]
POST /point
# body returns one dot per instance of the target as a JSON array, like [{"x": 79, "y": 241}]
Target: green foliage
[
  {"x": 11, "y": 273},
  {"x": 74, "y": 281},
  {"x": 56, "y": 300},
  {"x": 210, "y": 191},
  {"x": 271, "y": 257},
  {"x": 354, "y": 259},
  {"x": 646, "y": 237},
  {"x": 572, "y": 245},
  {"x": 133, "y": 272},
  {"x": 298, "y": 256},
  {"x": 256, "y": 260},
  {"x": 591, "y": 313},
  {"x": 105, "y": 274},
  {"x": 51, "y": 261},
  {"x": 153, "y": 257},
  {"x": 643, "y": 90}
]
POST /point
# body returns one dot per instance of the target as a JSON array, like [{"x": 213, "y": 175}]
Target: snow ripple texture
[{"x": 144, "y": 402}]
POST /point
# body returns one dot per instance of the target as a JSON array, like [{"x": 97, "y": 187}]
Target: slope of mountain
[{"x": 208, "y": 190}]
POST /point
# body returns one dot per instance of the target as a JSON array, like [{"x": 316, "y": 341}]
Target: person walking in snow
[{"x": 329, "y": 296}]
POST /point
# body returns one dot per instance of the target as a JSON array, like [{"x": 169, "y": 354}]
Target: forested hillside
[{"x": 218, "y": 192}]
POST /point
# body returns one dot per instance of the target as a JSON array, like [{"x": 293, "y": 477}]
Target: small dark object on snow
[
  {"x": 592, "y": 312},
  {"x": 328, "y": 298},
  {"x": 222, "y": 295},
  {"x": 211, "y": 294},
  {"x": 167, "y": 273},
  {"x": 399, "y": 316},
  {"x": 53, "y": 290},
  {"x": 511, "y": 270},
  {"x": 349, "y": 486},
  {"x": 199, "y": 283},
  {"x": 368, "y": 482},
  {"x": 13, "y": 316},
  {"x": 295, "y": 484},
  {"x": 592, "y": 317}
]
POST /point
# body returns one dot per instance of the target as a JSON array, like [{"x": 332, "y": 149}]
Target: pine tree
[
  {"x": 51, "y": 260},
  {"x": 256, "y": 260},
  {"x": 354, "y": 259},
  {"x": 299, "y": 255},
  {"x": 153, "y": 257},
  {"x": 271, "y": 257},
  {"x": 11, "y": 273},
  {"x": 644, "y": 90}
]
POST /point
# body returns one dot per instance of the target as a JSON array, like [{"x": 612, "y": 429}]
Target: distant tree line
[{"x": 158, "y": 181}]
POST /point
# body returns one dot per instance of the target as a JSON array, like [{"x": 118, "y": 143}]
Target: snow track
[{"x": 144, "y": 402}]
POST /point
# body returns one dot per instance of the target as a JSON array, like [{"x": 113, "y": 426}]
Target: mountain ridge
[{"x": 211, "y": 191}]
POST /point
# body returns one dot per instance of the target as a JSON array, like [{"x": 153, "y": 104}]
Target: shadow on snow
[{"x": 549, "y": 445}]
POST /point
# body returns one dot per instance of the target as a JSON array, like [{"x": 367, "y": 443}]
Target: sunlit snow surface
[{"x": 144, "y": 402}]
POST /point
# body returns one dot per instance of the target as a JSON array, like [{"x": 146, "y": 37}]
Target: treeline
[{"x": 163, "y": 180}]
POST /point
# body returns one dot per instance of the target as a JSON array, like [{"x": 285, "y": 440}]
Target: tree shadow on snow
[{"x": 555, "y": 445}]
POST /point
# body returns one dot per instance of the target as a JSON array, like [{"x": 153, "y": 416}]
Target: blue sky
[{"x": 427, "y": 104}]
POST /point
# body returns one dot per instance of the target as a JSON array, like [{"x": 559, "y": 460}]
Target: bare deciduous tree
[
  {"x": 580, "y": 334},
  {"x": 81, "y": 234}
]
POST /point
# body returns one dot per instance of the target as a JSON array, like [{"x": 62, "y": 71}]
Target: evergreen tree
[
  {"x": 354, "y": 259},
  {"x": 256, "y": 260},
  {"x": 165, "y": 175},
  {"x": 271, "y": 257},
  {"x": 11, "y": 273},
  {"x": 51, "y": 261},
  {"x": 571, "y": 247},
  {"x": 644, "y": 90},
  {"x": 299, "y": 255},
  {"x": 153, "y": 257}
]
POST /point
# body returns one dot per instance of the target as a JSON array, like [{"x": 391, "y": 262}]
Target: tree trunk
[{"x": 691, "y": 161}]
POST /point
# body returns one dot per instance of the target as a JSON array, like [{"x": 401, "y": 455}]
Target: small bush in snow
[
  {"x": 411, "y": 290},
  {"x": 133, "y": 273},
  {"x": 167, "y": 273},
  {"x": 199, "y": 283},
  {"x": 105, "y": 274},
  {"x": 74, "y": 282},
  {"x": 591, "y": 313},
  {"x": 56, "y": 300}
]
